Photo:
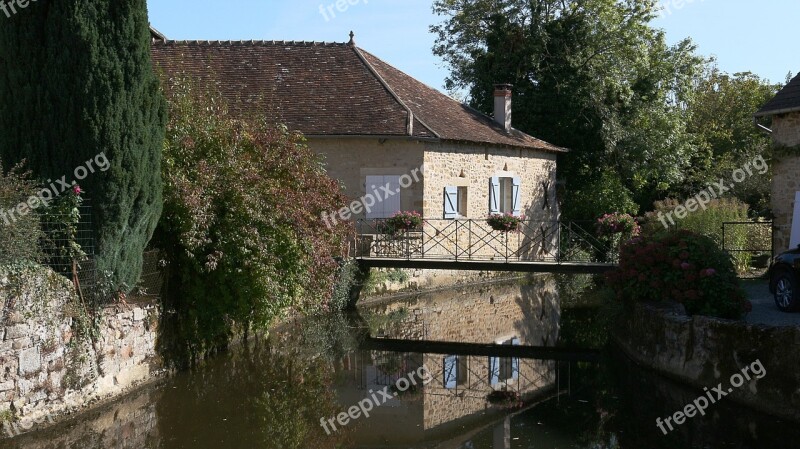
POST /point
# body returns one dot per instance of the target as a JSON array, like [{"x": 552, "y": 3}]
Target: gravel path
[{"x": 764, "y": 310}]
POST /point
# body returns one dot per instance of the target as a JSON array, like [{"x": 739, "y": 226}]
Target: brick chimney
[{"x": 502, "y": 105}]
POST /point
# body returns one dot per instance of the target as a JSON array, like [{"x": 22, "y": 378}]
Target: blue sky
[{"x": 743, "y": 35}]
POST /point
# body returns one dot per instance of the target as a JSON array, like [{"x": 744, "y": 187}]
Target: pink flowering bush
[
  {"x": 403, "y": 221},
  {"x": 616, "y": 223},
  {"x": 680, "y": 266},
  {"x": 505, "y": 222}
]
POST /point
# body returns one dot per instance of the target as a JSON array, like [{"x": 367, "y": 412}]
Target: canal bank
[
  {"x": 272, "y": 392},
  {"x": 56, "y": 361},
  {"x": 704, "y": 352}
]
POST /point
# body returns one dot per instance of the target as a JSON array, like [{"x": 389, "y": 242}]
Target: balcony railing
[{"x": 475, "y": 240}]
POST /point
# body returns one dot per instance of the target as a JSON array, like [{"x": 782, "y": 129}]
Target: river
[{"x": 312, "y": 384}]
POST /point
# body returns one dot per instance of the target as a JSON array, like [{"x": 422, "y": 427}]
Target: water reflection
[
  {"x": 460, "y": 394},
  {"x": 272, "y": 393}
]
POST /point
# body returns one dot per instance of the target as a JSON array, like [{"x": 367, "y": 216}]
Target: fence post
[{"x": 456, "y": 223}]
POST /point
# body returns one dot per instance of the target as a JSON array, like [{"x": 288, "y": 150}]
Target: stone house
[
  {"x": 394, "y": 143},
  {"x": 378, "y": 127},
  {"x": 784, "y": 110}
]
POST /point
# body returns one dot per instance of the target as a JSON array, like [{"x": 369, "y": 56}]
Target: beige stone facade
[
  {"x": 432, "y": 167},
  {"x": 786, "y": 176},
  {"x": 472, "y": 166},
  {"x": 351, "y": 160}
]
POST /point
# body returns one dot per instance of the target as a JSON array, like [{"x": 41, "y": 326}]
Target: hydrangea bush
[
  {"x": 403, "y": 221},
  {"x": 504, "y": 222},
  {"x": 680, "y": 266},
  {"x": 616, "y": 223}
]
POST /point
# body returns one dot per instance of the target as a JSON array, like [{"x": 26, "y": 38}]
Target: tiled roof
[
  {"x": 329, "y": 89},
  {"x": 450, "y": 119},
  {"x": 787, "y": 100}
]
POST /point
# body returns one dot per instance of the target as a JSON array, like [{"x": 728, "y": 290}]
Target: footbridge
[{"x": 470, "y": 244}]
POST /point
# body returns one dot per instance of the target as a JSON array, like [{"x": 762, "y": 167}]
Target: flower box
[{"x": 504, "y": 222}]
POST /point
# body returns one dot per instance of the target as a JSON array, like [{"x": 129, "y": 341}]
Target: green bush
[
  {"x": 19, "y": 235},
  {"x": 708, "y": 222},
  {"x": 347, "y": 279},
  {"x": 681, "y": 266},
  {"x": 241, "y": 223}
]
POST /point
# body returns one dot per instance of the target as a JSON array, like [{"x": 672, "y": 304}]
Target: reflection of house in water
[{"x": 509, "y": 314}]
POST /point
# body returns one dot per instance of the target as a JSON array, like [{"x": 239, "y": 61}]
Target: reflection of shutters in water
[
  {"x": 385, "y": 205},
  {"x": 455, "y": 371},
  {"x": 494, "y": 370},
  {"x": 504, "y": 368},
  {"x": 450, "y": 371}
]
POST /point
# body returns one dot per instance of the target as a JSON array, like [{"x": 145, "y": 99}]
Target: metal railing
[
  {"x": 476, "y": 240},
  {"x": 750, "y": 243}
]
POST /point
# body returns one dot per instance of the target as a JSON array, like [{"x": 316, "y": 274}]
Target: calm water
[{"x": 273, "y": 392}]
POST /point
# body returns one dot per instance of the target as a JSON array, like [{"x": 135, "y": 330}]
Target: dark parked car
[{"x": 783, "y": 277}]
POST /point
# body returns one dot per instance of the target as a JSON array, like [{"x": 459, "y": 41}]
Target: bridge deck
[{"x": 488, "y": 265}]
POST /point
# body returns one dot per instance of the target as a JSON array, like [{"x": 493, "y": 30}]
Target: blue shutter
[
  {"x": 515, "y": 199},
  {"x": 515, "y": 361},
  {"x": 494, "y": 195},
  {"x": 450, "y": 202},
  {"x": 450, "y": 378},
  {"x": 494, "y": 370}
]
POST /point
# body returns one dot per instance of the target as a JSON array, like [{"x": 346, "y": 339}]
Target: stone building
[
  {"x": 784, "y": 110},
  {"x": 378, "y": 128}
]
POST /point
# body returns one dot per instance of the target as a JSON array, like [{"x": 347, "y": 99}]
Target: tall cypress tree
[{"x": 76, "y": 81}]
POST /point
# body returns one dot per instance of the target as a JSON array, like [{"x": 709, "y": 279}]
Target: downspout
[{"x": 760, "y": 126}]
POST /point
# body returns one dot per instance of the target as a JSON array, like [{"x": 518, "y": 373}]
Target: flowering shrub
[
  {"x": 683, "y": 267},
  {"x": 504, "y": 222},
  {"x": 616, "y": 223},
  {"x": 62, "y": 218},
  {"x": 403, "y": 221},
  {"x": 241, "y": 224}
]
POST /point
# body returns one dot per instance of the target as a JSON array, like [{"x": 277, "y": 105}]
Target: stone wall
[
  {"x": 704, "y": 352},
  {"x": 350, "y": 160},
  {"x": 785, "y": 176},
  {"x": 49, "y": 367}
]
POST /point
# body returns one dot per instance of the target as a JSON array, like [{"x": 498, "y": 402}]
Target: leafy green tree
[
  {"x": 76, "y": 78},
  {"x": 590, "y": 75},
  {"x": 720, "y": 117}
]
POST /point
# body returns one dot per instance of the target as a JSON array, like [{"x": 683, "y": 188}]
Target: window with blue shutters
[
  {"x": 494, "y": 195},
  {"x": 450, "y": 202},
  {"x": 455, "y": 202},
  {"x": 504, "y": 196}
]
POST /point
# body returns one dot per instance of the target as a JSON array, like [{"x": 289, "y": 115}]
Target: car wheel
[{"x": 786, "y": 291}]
